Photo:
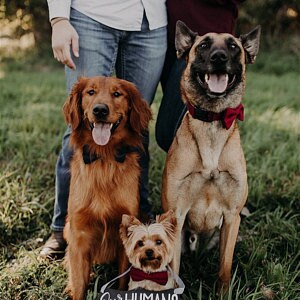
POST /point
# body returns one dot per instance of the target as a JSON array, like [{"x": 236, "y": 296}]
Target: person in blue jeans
[{"x": 103, "y": 38}]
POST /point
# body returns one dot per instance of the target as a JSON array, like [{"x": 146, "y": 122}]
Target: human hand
[{"x": 63, "y": 36}]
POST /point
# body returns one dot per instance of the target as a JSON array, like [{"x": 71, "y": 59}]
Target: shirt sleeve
[{"x": 59, "y": 8}]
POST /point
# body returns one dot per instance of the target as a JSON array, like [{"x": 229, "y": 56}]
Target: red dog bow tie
[
  {"x": 230, "y": 114},
  {"x": 158, "y": 277},
  {"x": 227, "y": 116}
]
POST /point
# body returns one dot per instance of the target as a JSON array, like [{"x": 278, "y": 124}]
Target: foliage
[
  {"x": 32, "y": 16},
  {"x": 277, "y": 17}
]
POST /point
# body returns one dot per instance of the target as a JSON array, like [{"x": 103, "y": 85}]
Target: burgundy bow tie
[
  {"x": 227, "y": 116},
  {"x": 158, "y": 277}
]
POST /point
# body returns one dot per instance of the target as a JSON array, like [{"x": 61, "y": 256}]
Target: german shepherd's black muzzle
[{"x": 216, "y": 69}]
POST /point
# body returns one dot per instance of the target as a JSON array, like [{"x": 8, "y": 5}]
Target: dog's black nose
[
  {"x": 100, "y": 111},
  {"x": 219, "y": 56},
  {"x": 149, "y": 252}
]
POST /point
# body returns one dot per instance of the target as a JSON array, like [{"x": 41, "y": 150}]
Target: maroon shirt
[{"x": 202, "y": 16}]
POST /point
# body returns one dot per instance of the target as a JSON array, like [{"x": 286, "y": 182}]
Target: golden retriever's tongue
[
  {"x": 217, "y": 83},
  {"x": 101, "y": 133}
]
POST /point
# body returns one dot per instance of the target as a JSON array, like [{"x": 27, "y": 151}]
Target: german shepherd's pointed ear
[
  {"x": 72, "y": 108},
  {"x": 139, "y": 110},
  {"x": 184, "y": 39},
  {"x": 250, "y": 42}
]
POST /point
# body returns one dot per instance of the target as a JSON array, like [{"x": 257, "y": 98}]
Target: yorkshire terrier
[{"x": 150, "y": 248}]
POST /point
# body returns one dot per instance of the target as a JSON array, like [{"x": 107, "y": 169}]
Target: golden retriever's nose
[{"x": 100, "y": 111}]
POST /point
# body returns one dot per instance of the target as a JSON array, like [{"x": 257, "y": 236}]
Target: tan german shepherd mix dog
[{"x": 205, "y": 179}]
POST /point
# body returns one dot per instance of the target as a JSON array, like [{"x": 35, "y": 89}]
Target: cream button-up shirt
[{"x": 118, "y": 14}]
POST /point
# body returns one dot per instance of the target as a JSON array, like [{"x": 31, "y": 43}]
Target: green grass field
[{"x": 267, "y": 255}]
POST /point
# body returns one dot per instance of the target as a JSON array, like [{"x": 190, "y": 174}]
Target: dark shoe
[{"x": 54, "y": 247}]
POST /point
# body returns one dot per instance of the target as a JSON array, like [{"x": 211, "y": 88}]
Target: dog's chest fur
[
  {"x": 212, "y": 173},
  {"x": 105, "y": 187}
]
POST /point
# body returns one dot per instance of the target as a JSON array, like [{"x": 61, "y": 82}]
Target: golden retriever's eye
[
  {"x": 91, "y": 92},
  {"x": 140, "y": 243},
  {"x": 158, "y": 242},
  {"x": 116, "y": 94}
]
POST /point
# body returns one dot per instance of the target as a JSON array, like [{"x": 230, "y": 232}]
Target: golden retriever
[{"x": 108, "y": 118}]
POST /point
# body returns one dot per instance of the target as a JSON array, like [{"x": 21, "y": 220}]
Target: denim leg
[
  {"x": 62, "y": 184},
  {"x": 98, "y": 47},
  {"x": 140, "y": 60},
  {"x": 172, "y": 109}
]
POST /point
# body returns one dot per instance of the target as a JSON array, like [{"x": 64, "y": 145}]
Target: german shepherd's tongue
[
  {"x": 101, "y": 133},
  {"x": 217, "y": 83}
]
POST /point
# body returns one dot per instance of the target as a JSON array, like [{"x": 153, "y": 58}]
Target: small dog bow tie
[
  {"x": 227, "y": 116},
  {"x": 158, "y": 277}
]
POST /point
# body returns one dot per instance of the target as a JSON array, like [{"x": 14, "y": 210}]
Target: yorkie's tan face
[{"x": 149, "y": 247}]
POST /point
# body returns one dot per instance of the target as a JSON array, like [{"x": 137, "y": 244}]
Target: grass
[{"x": 266, "y": 261}]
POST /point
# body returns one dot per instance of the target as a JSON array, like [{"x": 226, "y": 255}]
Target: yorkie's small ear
[
  {"x": 130, "y": 220},
  {"x": 123, "y": 228},
  {"x": 127, "y": 221},
  {"x": 169, "y": 216},
  {"x": 169, "y": 222}
]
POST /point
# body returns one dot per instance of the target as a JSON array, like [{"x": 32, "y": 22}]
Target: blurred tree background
[
  {"x": 280, "y": 21},
  {"x": 24, "y": 24},
  {"x": 25, "y": 21}
]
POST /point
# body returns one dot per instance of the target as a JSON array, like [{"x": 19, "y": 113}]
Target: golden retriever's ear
[
  {"x": 72, "y": 107},
  {"x": 140, "y": 112}
]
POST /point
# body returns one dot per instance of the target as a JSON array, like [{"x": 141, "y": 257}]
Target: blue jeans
[{"x": 136, "y": 56}]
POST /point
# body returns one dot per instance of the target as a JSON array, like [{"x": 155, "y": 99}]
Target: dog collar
[
  {"x": 227, "y": 116},
  {"x": 120, "y": 156},
  {"x": 158, "y": 277}
]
